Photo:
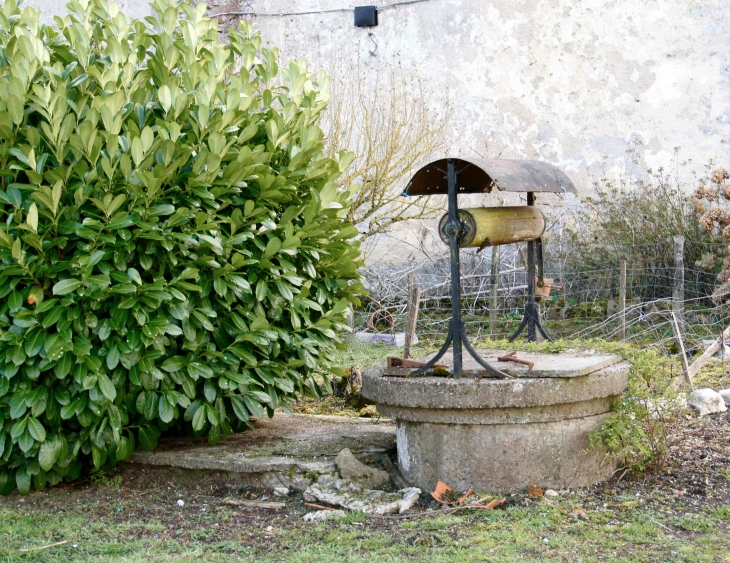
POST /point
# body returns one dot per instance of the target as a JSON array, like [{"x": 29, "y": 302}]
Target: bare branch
[{"x": 390, "y": 127}]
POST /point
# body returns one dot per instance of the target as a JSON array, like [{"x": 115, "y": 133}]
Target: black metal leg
[
  {"x": 439, "y": 355},
  {"x": 531, "y": 317},
  {"x": 494, "y": 371},
  {"x": 542, "y": 330},
  {"x": 520, "y": 328},
  {"x": 456, "y": 336},
  {"x": 530, "y": 304},
  {"x": 453, "y": 229}
]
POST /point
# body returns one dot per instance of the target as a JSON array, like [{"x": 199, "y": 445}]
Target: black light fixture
[{"x": 366, "y": 16}]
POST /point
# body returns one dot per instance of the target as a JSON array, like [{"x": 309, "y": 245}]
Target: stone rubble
[
  {"x": 350, "y": 496},
  {"x": 357, "y": 472},
  {"x": 281, "y": 491},
  {"x": 706, "y": 401}
]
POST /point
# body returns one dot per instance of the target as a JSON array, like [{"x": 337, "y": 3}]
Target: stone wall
[
  {"x": 597, "y": 87},
  {"x": 573, "y": 82},
  {"x": 50, "y": 8}
]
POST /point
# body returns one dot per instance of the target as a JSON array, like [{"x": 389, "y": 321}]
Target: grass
[
  {"x": 102, "y": 524},
  {"x": 366, "y": 354}
]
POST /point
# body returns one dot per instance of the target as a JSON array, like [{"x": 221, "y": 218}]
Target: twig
[
  {"x": 660, "y": 524},
  {"x": 395, "y": 475},
  {"x": 570, "y": 485},
  {"x": 321, "y": 507},
  {"x": 27, "y": 549},
  {"x": 147, "y": 492},
  {"x": 417, "y": 514}
]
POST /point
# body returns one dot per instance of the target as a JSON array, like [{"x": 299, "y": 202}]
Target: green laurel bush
[{"x": 173, "y": 255}]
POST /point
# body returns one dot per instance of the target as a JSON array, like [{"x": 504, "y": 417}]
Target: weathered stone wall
[
  {"x": 50, "y": 8},
  {"x": 573, "y": 82},
  {"x": 596, "y": 87}
]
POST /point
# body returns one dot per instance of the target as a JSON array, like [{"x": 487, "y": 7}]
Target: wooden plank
[
  {"x": 414, "y": 304},
  {"x": 254, "y": 503},
  {"x": 682, "y": 353},
  {"x": 707, "y": 354},
  {"x": 622, "y": 301}
]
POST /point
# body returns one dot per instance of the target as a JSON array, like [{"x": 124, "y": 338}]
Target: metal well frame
[{"x": 482, "y": 177}]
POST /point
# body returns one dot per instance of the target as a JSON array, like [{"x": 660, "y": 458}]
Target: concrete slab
[
  {"x": 563, "y": 364},
  {"x": 289, "y": 450}
]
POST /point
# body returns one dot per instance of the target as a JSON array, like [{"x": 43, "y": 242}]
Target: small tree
[
  {"x": 392, "y": 131},
  {"x": 174, "y": 252}
]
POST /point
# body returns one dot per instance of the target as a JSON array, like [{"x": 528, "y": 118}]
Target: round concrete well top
[{"x": 522, "y": 391}]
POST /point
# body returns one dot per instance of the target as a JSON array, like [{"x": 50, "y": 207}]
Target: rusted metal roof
[{"x": 481, "y": 175}]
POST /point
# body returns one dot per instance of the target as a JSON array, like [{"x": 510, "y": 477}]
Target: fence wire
[{"x": 583, "y": 300}]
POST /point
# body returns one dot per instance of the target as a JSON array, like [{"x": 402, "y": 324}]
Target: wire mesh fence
[{"x": 581, "y": 299}]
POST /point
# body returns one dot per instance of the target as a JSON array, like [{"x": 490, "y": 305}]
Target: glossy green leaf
[
  {"x": 239, "y": 408},
  {"x": 36, "y": 429},
  {"x": 66, "y": 286},
  {"x": 48, "y": 454},
  {"x": 107, "y": 387},
  {"x": 147, "y": 438},
  {"x": 254, "y": 407},
  {"x": 199, "y": 419},
  {"x": 165, "y": 409},
  {"x": 23, "y": 479},
  {"x": 112, "y": 357},
  {"x": 175, "y": 363}
]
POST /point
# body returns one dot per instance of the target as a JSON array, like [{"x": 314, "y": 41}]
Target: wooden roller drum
[{"x": 492, "y": 226}]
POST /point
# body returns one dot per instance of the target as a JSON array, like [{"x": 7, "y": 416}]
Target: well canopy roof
[{"x": 483, "y": 175}]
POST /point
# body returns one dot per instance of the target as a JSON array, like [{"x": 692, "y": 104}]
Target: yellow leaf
[{"x": 32, "y": 219}]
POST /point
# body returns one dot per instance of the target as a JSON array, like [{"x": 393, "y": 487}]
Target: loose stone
[
  {"x": 351, "y": 468},
  {"x": 706, "y": 401},
  {"x": 725, "y": 394},
  {"x": 322, "y": 515}
]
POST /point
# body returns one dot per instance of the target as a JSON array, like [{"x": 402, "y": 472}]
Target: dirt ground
[{"x": 146, "y": 504}]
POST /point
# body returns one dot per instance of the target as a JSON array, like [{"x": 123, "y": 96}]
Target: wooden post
[
  {"x": 414, "y": 303},
  {"x": 622, "y": 301},
  {"x": 682, "y": 352},
  {"x": 493, "y": 290},
  {"x": 707, "y": 354},
  {"x": 678, "y": 292}
]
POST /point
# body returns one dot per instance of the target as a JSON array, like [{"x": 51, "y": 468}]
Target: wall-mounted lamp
[{"x": 366, "y": 16}]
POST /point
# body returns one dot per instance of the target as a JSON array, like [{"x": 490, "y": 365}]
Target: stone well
[{"x": 503, "y": 434}]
